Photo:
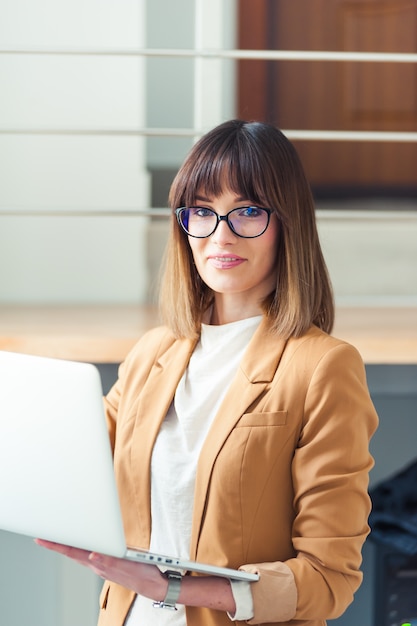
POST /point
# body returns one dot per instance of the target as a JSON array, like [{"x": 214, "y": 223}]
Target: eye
[
  {"x": 200, "y": 211},
  {"x": 250, "y": 211}
]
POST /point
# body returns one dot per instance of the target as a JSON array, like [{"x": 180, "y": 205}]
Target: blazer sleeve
[{"x": 330, "y": 471}]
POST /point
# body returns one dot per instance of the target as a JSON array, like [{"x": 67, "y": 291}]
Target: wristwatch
[{"x": 173, "y": 591}]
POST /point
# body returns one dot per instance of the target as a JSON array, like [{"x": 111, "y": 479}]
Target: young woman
[{"x": 241, "y": 428}]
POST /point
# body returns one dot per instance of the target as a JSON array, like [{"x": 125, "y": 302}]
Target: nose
[{"x": 223, "y": 234}]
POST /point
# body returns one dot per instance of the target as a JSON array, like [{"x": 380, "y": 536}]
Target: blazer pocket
[{"x": 277, "y": 418}]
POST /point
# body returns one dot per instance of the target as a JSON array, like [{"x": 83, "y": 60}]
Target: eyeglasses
[{"x": 245, "y": 221}]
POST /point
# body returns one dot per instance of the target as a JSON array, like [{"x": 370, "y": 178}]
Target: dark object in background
[
  {"x": 393, "y": 523},
  {"x": 393, "y": 519},
  {"x": 395, "y": 593}
]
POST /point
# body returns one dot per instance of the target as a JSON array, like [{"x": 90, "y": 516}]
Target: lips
[{"x": 225, "y": 261}]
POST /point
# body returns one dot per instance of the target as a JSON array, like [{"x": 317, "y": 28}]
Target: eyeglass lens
[{"x": 248, "y": 221}]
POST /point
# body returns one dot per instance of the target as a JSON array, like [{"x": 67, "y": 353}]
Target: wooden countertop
[
  {"x": 104, "y": 334},
  {"x": 381, "y": 334},
  {"x": 97, "y": 334}
]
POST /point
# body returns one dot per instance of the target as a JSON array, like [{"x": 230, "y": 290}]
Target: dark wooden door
[{"x": 336, "y": 95}]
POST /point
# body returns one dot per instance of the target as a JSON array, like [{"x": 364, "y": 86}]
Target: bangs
[
  {"x": 224, "y": 174},
  {"x": 231, "y": 166}
]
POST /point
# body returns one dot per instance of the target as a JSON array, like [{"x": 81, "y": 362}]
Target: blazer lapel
[
  {"x": 256, "y": 371},
  {"x": 156, "y": 398}
]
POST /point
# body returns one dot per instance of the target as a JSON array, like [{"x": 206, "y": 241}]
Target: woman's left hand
[{"x": 146, "y": 580}]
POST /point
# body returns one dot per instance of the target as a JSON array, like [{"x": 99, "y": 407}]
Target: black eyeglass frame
[{"x": 225, "y": 218}]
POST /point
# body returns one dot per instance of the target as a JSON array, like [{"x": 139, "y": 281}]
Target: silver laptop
[{"x": 56, "y": 467}]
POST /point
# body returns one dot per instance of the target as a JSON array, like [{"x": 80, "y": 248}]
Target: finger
[{"x": 77, "y": 554}]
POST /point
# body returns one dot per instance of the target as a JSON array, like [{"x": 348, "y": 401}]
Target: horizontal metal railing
[
  {"x": 87, "y": 212},
  {"x": 235, "y": 54},
  {"x": 305, "y": 135},
  {"x": 273, "y": 55}
]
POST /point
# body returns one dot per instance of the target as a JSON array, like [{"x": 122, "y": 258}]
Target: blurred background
[{"x": 99, "y": 103}]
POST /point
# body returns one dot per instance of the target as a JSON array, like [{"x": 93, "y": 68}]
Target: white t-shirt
[{"x": 176, "y": 452}]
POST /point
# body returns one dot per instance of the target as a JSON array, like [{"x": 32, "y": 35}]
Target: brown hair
[{"x": 254, "y": 160}]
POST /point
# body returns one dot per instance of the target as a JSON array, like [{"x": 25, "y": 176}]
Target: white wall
[
  {"x": 72, "y": 259},
  {"x": 371, "y": 252}
]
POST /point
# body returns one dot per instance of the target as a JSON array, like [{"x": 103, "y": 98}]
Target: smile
[{"x": 225, "y": 262}]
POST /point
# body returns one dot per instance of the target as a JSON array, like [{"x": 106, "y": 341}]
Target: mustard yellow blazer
[{"x": 282, "y": 479}]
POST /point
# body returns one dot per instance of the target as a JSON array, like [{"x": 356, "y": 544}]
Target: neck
[{"x": 226, "y": 313}]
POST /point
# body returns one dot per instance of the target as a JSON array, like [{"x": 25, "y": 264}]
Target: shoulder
[
  {"x": 316, "y": 344},
  {"x": 318, "y": 356},
  {"x": 153, "y": 343},
  {"x": 135, "y": 368}
]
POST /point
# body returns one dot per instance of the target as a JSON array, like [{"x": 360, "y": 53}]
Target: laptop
[{"x": 56, "y": 467}]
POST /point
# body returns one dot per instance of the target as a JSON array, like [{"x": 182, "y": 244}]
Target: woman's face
[{"x": 238, "y": 270}]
